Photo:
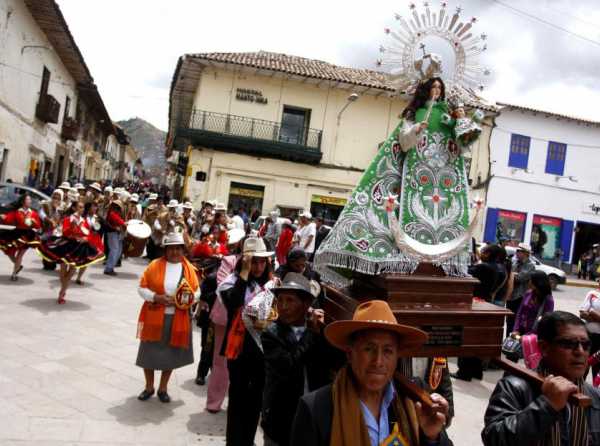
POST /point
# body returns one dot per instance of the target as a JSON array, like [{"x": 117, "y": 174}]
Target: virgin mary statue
[{"x": 423, "y": 165}]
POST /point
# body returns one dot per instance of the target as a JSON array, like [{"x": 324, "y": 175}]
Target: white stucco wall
[
  {"x": 25, "y": 51},
  {"x": 537, "y": 192}
]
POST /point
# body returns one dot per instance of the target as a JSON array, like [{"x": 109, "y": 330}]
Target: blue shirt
[{"x": 379, "y": 431}]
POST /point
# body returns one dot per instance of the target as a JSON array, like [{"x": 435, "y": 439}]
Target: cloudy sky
[{"x": 132, "y": 46}]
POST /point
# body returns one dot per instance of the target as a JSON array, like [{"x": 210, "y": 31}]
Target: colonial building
[
  {"x": 53, "y": 122},
  {"x": 264, "y": 130},
  {"x": 545, "y": 182}
]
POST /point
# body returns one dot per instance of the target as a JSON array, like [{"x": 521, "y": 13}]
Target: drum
[{"x": 135, "y": 240}]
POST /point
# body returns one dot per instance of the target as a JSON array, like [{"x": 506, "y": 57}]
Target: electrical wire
[
  {"x": 546, "y": 22},
  {"x": 573, "y": 16}
]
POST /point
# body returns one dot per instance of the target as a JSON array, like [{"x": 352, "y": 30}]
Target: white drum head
[{"x": 138, "y": 229}]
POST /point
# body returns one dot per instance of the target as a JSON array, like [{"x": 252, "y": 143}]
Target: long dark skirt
[
  {"x": 161, "y": 355},
  {"x": 70, "y": 252},
  {"x": 12, "y": 240}
]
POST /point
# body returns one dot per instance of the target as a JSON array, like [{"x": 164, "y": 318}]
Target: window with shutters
[
  {"x": 519, "y": 151},
  {"x": 555, "y": 161}
]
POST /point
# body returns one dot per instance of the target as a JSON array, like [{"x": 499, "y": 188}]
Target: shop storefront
[
  {"x": 503, "y": 225},
  {"x": 247, "y": 196},
  {"x": 327, "y": 207},
  {"x": 545, "y": 236}
]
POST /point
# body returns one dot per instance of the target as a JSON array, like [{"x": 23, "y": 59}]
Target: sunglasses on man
[{"x": 573, "y": 344}]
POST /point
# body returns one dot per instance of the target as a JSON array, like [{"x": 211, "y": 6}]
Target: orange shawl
[{"x": 150, "y": 322}]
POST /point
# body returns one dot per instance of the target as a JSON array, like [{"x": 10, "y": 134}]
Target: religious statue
[{"x": 412, "y": 203}]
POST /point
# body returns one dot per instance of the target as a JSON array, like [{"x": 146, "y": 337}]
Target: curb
[{"x": 582, "y": 284}]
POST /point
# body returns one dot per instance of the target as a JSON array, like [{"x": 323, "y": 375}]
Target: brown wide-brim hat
[{"x": 373, "y": 315}]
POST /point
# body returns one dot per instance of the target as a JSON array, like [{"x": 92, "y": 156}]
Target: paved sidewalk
[
  {"x": 67, "y": 373},
  {"x": 574, "y": 281}
]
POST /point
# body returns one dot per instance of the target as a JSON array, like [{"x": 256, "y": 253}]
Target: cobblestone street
[{"x": 67, "y": 373}]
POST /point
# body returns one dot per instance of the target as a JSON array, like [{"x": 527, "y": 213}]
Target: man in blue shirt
[{"x": 364, "y": 407}]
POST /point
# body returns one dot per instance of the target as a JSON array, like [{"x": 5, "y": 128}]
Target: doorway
[{"x": 586, "y": 235}]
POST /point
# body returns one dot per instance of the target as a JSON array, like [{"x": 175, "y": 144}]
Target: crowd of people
[{"x": 265, "y": 343}]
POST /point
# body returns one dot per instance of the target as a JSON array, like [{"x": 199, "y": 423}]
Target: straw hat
[
  {"x": 255, "y": 247},
  {"x": 117, "y": 203},
  {"x": 235, "y": 235},
  {"x": 108, "y": 189},
  {"x": 525, "y": 247},
  {"x": 211, "y": 203},
  {"x": 96, "y": 187},
  {"x": 188, "y": 205},
  {"x": 220, "y": 207},
  {"x": 173, "y": 239},
  {"x": 65, "y": 185},
  {"x": 79, "y": 186},
  {"x": 173, "y": 204},
  {"x": 298, "y": 283},
  {"x": 373, "y": 315}
]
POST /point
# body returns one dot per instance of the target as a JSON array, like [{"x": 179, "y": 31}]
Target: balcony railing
[
  {"x": 70, "y": 129},
  {"x": 253, "y": 136},
  {"x": 47, "y": 109}
]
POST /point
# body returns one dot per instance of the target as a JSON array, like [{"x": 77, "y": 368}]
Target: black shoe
[
  {"x": 200, "y": 380},
  {"x": 145, "y": 395},
  {"x": 163, "y": 397},
  {"x": 110, "y": 273},
  {"x": 461, "y": 377}
]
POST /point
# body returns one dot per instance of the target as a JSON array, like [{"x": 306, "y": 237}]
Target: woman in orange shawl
[{"x": 169, "y": 286}]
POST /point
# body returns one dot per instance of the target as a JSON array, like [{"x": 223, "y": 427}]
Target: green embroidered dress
[{"x": 427, "y": 171}]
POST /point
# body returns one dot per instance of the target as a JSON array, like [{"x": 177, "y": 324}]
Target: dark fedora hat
[{"x": 299, "y": 284}]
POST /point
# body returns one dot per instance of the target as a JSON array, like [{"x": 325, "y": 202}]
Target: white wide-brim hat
[
  {"x": 96, "y": 187},
  {"x": 306, "y": 214},
  {"x": 108, "y": 189},
  {"x": 134, "y": 198},
  {"x": 220, "y": 207},
  {"x": 173, "y": 204},
  {"x": 153, "y": 197},
  {"x": 79, "y": 186},
  {"x": 173, "y": 239},
  {"x": 65, "y": 185},
  {"x": 524, "y": 247},
  {"x": 188, "y": 205},
  {"x": 255, "y": 246},
  {"x": 235, "y": 235}
]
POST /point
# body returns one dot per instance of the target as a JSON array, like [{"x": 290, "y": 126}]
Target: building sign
[
  {"x": 246, "y": 192},
  {"x": 510, "y": 226},
  {"x": 591, "y": 208},
  {"x": 545, "y": 236},
  {"x": 245, "y": 94},
  {"x": 333, "y": 201}
]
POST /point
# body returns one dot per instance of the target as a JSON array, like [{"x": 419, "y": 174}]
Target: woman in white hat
[
  {"x": 169, "y": 287},
  {"x": 72, "y": 250},
  {"x": 252, "y": 275}
]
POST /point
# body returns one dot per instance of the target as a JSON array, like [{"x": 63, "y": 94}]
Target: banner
[
  {"x": 510, "y": 226},
  {"x": 545, "y": 236},
  {"x": 323, "y": 199}
]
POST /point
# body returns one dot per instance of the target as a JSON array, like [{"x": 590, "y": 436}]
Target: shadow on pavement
[
  {"x": 86, "y": 284},
  {"x": 5, "y": 281},
  {"x": 138, "y": 413},
  {"x": 206, "y": 423},
  {"x": 49, "y": 305},
  {"x": 119, "y": 276},
  {"x": 191, "y": 386}
]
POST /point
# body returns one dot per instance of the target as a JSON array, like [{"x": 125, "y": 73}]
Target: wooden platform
[{"x": 442, "y": 306}]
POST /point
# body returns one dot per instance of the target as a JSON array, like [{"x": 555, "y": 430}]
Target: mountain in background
[{"x": 149, "y": 142}]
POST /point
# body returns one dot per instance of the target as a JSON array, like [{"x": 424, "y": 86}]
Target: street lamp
[{"x": 352, "y": 98}]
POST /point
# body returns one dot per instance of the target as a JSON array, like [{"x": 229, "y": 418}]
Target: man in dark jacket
[
  {"x": 365, "y": 406},
  {"x": 521, "y": 414},
  {"x": 522, "y": 268},
  {"x": 295, "y": 357}
]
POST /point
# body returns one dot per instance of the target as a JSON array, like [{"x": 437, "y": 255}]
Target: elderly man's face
[
  {"x": 568, "y": 353},
  {"x": 373, "y": 358}
]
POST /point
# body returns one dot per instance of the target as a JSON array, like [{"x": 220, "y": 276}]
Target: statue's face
[{"x": 436, "y": 90}]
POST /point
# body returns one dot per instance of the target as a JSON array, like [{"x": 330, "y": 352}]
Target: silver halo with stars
[{"x": 407, "y": 70}]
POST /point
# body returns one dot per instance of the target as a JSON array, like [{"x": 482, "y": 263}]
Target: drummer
[
  {"x": 134, "y": 210},
  {"x": 164, "y": 329},
  {"x": 115, "y": 226}
]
